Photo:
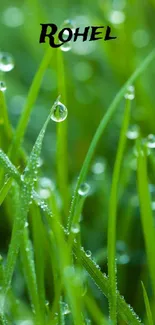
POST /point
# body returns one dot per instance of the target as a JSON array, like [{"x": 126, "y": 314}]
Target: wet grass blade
[
  {"x": 146, "y": 211},
  {"x": 113, "y": 202},
  {"x": 31, "y": 98},
  {"x": 107, "y": 117},
  {"x": 25, "y": 198},
  {"x": 147, "y": 306},
  {"x": 61, "y": 155}
]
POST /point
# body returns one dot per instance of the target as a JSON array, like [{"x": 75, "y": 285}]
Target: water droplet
[
  {"x": 151, "y": 141},
  {"x": 117, "y": 17},
  {"x": 133, "y": 132},
  {"x": 84, "y": 189},
  {"x": 65, "y": 308},
  {"x": 6, "y": 62},
  {"x": 99, "y": 166},
  {"x": 2, "y": 85},
  {"x": 59, "y": 112},
  {"x": 67, "y": 45},
  {"x": 88, "y": 253},
  {"x": 26, "y": 224},
  {"x": 130, "y": 94},
  {"x": 75, "y": 228}
]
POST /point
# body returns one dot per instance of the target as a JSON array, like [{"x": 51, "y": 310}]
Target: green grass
[
  {"x": 50, "y": 241},
  {"x": 65, "y": 258}
]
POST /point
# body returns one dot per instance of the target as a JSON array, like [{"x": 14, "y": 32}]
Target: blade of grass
[
  {"x": 30, "y": 275},
  {"x": 112, "y": 272},
  {"x": 31, "y": 98},
  {"x": 26, "y": 190},
  {"x": 62, "y": 156},
  {"x": 146, "y": 212},
  {"x": 111, "y": 110},
  {"x": 147, "y": 306},
  {"x": 6, "y": 132}
]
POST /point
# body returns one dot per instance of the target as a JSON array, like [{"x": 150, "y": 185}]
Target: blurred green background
[{"x": 94, "y": 72}]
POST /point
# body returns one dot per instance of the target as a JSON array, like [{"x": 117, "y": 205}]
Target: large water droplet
[
  {"x": 151, "y": 141},
  {"x": 6, "y": 62},
  {"x": 2, "y": 85},
  {"x": 84, "y": 189},
  {"x": 130, "y": 94},
  {"x": 59, "y": 112},
  {"x": 133, "y": 132},
  {"x": 44, "y": 193}
]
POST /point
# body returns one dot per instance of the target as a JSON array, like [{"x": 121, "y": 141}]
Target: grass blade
[
  {"x": 147, "y": 306},
  {"x": 112, "y": 217},
  {"x": 146, "y": 212},
  {"x": 31, "y": 98}
]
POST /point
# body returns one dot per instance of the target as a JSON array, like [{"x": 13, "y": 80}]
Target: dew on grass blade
[
  {"x": 151, "y": 141},
  {"x": 133, "y": 132},
  {"x": 2, "y": 85},
  {"x": 84, "y": 189},
  {"x": 26, "y": 224},
  {"x": 130, "y": 94},
  {"x": 88, "y": 253},
  {"x": 65, "y": 308},
  {"x": 75, "y": 229},
  {"x": 6, "y": 62},
  {"x": 59, "y": 112},
  {"x": 67, "y": 45}
]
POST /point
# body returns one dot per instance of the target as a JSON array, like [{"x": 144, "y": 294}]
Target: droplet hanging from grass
[
  {"x": 6, "y": 62},
  {"x": 2, "y": 86},
  {"x": 59, "y": 112},
  {"x": 133, "y": 132},
  {"x": 130, "y": 94},
  {"x": 151, "y": 141},
  {"x": 84, "y": 189},
  {"x": 67, "y": 45}
]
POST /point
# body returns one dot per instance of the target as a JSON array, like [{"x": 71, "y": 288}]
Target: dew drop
[
  {"x": 75, "y": 228},
  {"x": 133, "y": 132},
  {"x": 88, "y": 253},
  {"x": 6, "y": 62},
  {"x": 67, "y": 45},
  {"x": 59, "y": 112},
  {"x": 26, "y": 224},
  {"x": 84, "y": 189},
  {"x": 2, "y": 85},
  {"x": 151, "y": 141},
  {"x": 65, "y": 308},
  {"x": 130, "y": 94}
]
